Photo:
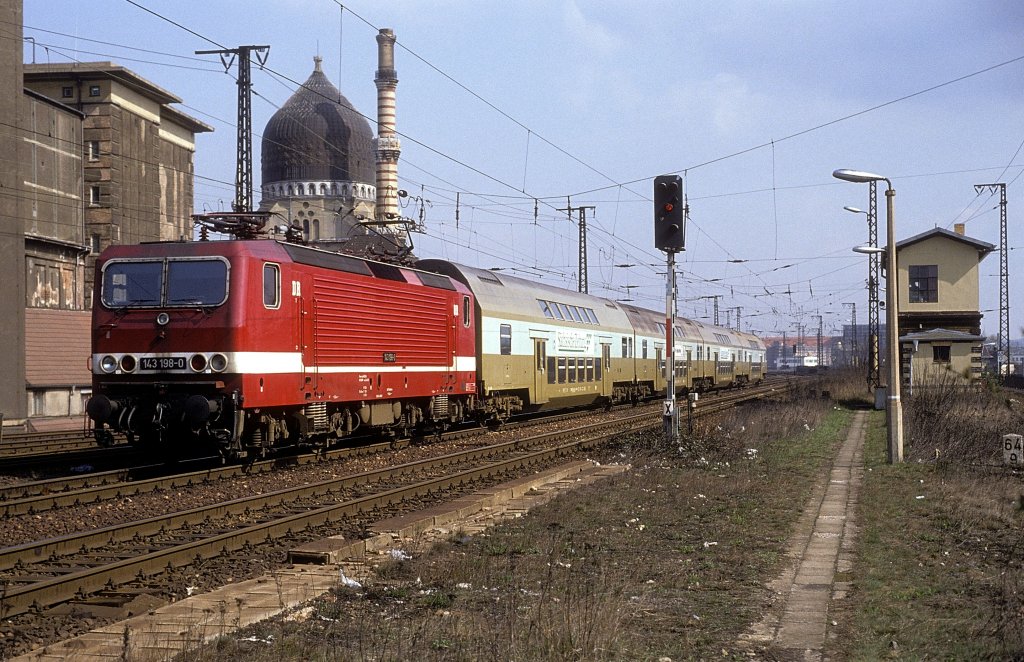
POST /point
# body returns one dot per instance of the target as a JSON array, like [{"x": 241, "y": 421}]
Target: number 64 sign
[{"x": 1013, "y": 450}]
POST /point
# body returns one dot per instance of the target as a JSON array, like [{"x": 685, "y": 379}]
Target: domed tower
[{"x": 318, "y": 162}]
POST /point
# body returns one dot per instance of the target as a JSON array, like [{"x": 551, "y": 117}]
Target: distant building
[
  {"x": 136, "y": 156},
  {"x": 97, "y": 156},
  {"x": 324, "y": 172},
  {"x": 939, "y": 314}
]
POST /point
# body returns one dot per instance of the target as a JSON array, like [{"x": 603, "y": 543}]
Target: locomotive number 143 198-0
[{"x": 162, "y": 363}]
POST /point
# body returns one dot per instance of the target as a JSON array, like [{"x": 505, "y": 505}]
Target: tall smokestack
[{"x": 387, "y": 143}]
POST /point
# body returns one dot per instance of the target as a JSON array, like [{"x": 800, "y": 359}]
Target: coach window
[
  {"x": 625, "y": 347},
  {"x": 465, "y": 312},
  {"x": 643, "y": 348},
  {"x": 561, "y": 369},
  {"x": 506, "y": 339},
  {"x": 572, "y": 371},
  {"x": 271, "y": 286}
]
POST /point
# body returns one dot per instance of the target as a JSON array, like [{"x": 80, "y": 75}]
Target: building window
[
  {"x": 38, "y": 403},
  {"x": 94, "y": 90},
  {"x": 924, "y": 283},
  {"x": 505, "y": 333},
  {"x": 96, "y": 246},
  {"x": 94, "y": 150},
  {"x": 940, "y": 354},
  {"x": 94, "y": 195},
  {"x": 67, "y": 92}
]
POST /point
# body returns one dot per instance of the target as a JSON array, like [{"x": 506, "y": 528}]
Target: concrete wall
[
  {"x": 958, "y": 370},
  {"x": 13, "y": 208}
]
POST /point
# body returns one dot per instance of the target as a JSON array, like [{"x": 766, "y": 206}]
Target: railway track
[
  {"x": 43, "y": 573},
  {"x": 94, "y": 487},
  {"x": 35, "y": 443},
  {"x": 115, "y": 564}
]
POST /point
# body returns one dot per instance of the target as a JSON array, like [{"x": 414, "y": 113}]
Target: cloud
[{"x": 591, "y": 36}]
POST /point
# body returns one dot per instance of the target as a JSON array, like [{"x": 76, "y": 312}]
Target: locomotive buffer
[{"x": 670, "y": 236}]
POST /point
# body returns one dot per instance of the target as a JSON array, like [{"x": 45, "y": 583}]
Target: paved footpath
[{"x": 821, "y": 550}]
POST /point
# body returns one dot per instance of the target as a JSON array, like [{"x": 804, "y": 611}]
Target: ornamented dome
[{"x": 316, "y": 136}]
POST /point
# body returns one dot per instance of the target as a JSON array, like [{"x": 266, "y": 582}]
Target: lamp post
[{"x": 894, "y": 410}]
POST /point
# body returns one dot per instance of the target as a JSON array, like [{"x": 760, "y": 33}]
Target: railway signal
[
  {"x": 669, "y": 213},
  {"x": 670, "y": 236}
]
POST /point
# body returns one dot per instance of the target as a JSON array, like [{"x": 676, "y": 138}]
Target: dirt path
[{"x": 821, "y": 551}]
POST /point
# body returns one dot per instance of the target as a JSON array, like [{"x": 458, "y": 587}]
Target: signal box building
[{"x": 939, "y": 312}]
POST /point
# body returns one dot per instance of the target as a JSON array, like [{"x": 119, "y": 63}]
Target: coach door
[
  {"x": 540, "y": 376},
  {"x": 304, "y": 311},
  {"x": 606, "y": 369},
  {"x": 660, "y": 370}
]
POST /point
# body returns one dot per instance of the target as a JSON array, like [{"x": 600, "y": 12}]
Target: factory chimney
[{"x": 388, "y": 146}]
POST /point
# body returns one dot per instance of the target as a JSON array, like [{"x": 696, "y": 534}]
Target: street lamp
[{"x": 894, "y": 410}]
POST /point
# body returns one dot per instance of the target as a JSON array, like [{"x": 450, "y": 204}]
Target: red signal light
[{"x": 669, "y": 206}]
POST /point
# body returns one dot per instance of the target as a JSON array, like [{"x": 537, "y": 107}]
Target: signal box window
[
  {"x": 271, "y": 286},
  {"x": 506, "y": 339},
  {"x": 924, "y": 283},
  {"x": 940, "y": 354}
]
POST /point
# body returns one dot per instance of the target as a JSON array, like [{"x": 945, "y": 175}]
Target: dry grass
[
  {"x": 669, "y": 559},
  {"x": 940, "y": 561}
]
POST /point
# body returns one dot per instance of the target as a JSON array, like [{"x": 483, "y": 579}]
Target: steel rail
[{"x": 16, "y": 598}]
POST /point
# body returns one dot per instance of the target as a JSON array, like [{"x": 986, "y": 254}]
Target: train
[{"x": 243, "y": 346}]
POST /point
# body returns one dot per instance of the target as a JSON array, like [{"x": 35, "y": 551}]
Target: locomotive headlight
[
  {"x": 108, "y": 363},
  {"x": 197, "y": 362},
  {"x": 162, "y": 319},
  {"x": 128, "y": 363},
  {"x": 218, "y": 363}
]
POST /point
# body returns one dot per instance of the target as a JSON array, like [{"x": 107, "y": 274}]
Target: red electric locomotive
[{"x": 247, "y": 345}]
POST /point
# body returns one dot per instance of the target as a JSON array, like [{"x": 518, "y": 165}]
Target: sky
[{"x": 517, "y": 110}]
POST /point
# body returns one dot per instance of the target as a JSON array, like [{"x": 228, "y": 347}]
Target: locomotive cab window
[
  {"x": 196, "y": 282},
  {"x": 271, "y": 286},
  {"x": 132, "y": 284},
  {"x": 172, "y": 282}
]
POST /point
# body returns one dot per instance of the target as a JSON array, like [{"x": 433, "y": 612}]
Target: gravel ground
[{"x": 23, "y": 633}]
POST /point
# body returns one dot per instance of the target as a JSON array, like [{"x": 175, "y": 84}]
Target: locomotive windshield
[{"x": 169, "y": 282}]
